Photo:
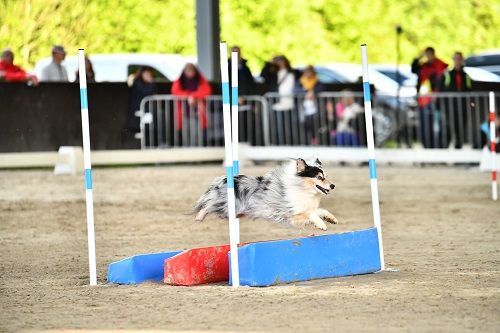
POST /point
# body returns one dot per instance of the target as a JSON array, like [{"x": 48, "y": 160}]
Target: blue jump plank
[
  {"x": 139, "y": 268},
  {"x": 301, "y": 259}
]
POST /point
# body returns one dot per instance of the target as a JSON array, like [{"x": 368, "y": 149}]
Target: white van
[{"x": 118, "y": 67}]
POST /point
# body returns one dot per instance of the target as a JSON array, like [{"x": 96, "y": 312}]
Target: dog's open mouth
[{"x": 322, "y": 189}]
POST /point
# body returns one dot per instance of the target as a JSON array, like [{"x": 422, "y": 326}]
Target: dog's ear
[
  {"x": 301, "y": 165},
  {"x": 318, "y": 162}
]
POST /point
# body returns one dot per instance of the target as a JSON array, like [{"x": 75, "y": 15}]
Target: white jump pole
[
  {"x": 88, "y": 167},
  {"x": 234, "y": 110},
  {"x": 234, "y": 126},
  {"x": 494, "y": 194},
  {"x": 371, "y": 153},
  {"x": 226, "y": 109}
]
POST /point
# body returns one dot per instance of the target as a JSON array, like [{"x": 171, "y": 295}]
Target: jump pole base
[
  {"x": 301, "y": 259},
  {"x": 139, "y": 268}
]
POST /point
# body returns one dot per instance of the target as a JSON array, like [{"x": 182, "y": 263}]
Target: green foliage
[{"x": 313, "y": 31}]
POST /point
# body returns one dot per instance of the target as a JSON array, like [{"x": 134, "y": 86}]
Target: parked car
[
  {"x": 406, "y": 77},
  {"x": 385, "y": 87},
  {"x": 118, "y": 67},
  {"x": 489, "y": 61}
]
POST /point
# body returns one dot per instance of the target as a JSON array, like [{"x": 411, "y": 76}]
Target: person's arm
[
  {"x": 203, "y": 90},
  {"x": 415, "y": 66},
  {"x": 247, "y": 74},
  {"x": 16, "y": 76},
  {"x": 444, "y": 82}
]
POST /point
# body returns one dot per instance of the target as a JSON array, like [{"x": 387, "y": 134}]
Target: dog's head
[{"x": 314, "y": 176}]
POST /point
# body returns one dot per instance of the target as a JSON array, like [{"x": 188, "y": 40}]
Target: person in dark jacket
[
  {"x": 248, "y": 126},
  {"x": 245, "y": 78},
  {"x": 143, "y": 85},
  {"x": 456, "y": 80},
  {"x": 429, "y": 75},
  {"x": 269, "y": 74}
]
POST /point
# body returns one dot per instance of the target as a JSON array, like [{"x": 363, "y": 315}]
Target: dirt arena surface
[{"x": 440, "y": 228}]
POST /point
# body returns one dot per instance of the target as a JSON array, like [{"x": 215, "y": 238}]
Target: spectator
[
  {"x": 245, "y": 77},
  {"x": 89, "y": 70},
  {"x": 349, "y": 121},
  {"x": 143, "y": 85},
  {"x": 55, "y": 71},
  {"x": 285, "y": 84},
  {"x": 285, "y": 119},
  {"x": 456, "y": 80},
  {"x": 309, "y": 85},
  {"x": 429, "y": 75},
  {"x": 12, "y": 73},
  {"x": 195, "y": 87},
  {"x": 269, "y": 74}
]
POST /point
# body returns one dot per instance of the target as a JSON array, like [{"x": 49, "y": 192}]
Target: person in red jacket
[
  {"x": 12, "y": 73},
  {"x": 429, "y": 77},
  {"x": 195, "y": 87}
]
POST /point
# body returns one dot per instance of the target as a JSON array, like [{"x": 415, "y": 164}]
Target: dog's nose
[{"x": 332, "y": 186}]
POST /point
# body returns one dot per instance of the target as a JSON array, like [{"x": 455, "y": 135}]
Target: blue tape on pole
[
  {"x": 225, "y": 93},
  {"x": 373, "y": 168},
  {"x": 230, "y": 179},
  {"x": 83, "y": 98},
  {"x": 301, "y": 259},
  {"x": 88, "y": 179},
  {"x": 236, "y": 168},
  {"x": 366, "y": 91},
  {"x": 139, "y": 268},
  {"x": 234, "y": 95}
]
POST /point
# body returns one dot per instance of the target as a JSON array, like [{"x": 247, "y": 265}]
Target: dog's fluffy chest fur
[{"x": 303, "y": 202}]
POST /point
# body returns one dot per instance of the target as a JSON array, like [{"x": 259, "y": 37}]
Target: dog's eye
[{"x": 320, "y": 178}]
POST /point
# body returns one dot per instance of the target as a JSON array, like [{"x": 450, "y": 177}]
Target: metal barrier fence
[
  {"x": 173, "y": 121},
  {"x": 327, "y": 119}
]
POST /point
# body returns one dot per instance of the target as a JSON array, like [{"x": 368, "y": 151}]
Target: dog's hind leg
[
  {"x": 318, "y": 222},
  {"x": 326, "y": 215},
  {"x": 201, "y": 215}
]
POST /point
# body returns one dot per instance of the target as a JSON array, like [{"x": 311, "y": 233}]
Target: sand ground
[{"x": 441, "y": 231}]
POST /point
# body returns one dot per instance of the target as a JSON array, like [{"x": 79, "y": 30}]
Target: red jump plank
[{"x": 198, "y": 266}]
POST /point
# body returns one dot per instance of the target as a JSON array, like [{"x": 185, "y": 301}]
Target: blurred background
[
  {"x": 153, "y": 72},
  {"x": 308, "y": 31}
]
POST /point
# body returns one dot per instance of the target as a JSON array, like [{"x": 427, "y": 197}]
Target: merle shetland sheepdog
[{"x": 290, "y": 194}]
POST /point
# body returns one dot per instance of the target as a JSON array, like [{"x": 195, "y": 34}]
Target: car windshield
[{"x": 394, "y": 76}]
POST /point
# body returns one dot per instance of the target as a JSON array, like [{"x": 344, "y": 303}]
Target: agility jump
[{"x": 256, "y": 264}]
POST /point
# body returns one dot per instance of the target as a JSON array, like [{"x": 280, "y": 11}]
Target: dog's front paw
[
  {"x": 331, "y": 218},
  {"x": 321, "y": 226}
]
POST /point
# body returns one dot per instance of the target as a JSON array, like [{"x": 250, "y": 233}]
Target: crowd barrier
[
  {"x": 172, "y": 121},
  {"x": 438, "y": 120}
]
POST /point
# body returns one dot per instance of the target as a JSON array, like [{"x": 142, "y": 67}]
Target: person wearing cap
[
  {"x": 12, "y": 73},
  {"x": 55, "y": 71}
]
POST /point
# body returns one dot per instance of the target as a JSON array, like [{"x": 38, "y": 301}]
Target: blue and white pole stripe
[
  {"x": 88, "y": 167},
  {"x": 234, "y": 110},
  {"x": 371, "y": 152},
  {"x": 233, "y": 222}
]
